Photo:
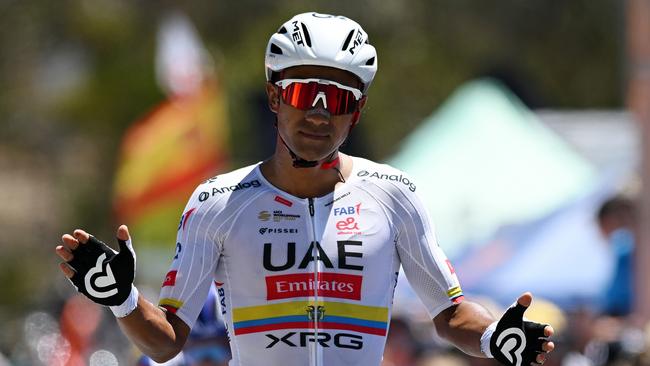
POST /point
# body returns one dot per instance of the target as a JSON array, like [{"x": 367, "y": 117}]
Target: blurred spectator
[
  {"x": 608, "y": 338},
  {"x": 442, "y": 359},
  {"x": 79, "y": 321},
  {"x": 617, "y": 221},
  {"x": 402, "y": 347}
]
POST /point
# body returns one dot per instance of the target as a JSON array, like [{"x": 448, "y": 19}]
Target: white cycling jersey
[{"x": 306, "y": 281}]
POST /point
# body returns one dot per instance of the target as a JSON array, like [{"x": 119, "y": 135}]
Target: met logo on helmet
[
  {"x": 295, "y": 33},
  {"x": 358, "y": 39}
]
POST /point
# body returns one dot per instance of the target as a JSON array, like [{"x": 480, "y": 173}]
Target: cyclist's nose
[{"x": 318, "y": 115}]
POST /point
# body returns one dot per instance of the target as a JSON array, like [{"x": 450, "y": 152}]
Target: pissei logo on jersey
[{"x": 277, "y": 230}]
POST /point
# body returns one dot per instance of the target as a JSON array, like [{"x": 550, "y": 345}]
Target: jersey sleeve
[
  {"x": 426, "y": 266},
  {"x": 188, "y": 280}
]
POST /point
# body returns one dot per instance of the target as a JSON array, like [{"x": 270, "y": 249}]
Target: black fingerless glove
[
  {"x": 102, "y": 274},
  {"x": 516, "y": 341}
]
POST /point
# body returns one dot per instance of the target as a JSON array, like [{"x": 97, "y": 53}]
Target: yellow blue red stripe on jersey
[
  {"x": 172, "y": 305},
  {"x": 296, "y": 315},
  {"x": 455, "y": 294}
]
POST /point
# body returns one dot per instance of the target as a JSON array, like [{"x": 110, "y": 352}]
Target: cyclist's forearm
[
  {"x": 157, "y": 334},
  {"x": 463, "y": 325}
]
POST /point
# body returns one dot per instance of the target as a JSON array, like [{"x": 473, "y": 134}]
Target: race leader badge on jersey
[
  {"x": 102, "y": 274},
  {"x": 516, "y": 341}
]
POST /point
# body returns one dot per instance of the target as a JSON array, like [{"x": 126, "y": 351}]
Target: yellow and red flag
[{"x": 164, "y": 156}]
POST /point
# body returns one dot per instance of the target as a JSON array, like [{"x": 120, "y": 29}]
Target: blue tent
[
  {"x": 513, "y": 204},
  {"x": 562, "y": 257},
  {"x": 483, "y": 160}
]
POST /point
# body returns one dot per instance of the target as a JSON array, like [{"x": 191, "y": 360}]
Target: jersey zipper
[{"x": 316, "y": 356}]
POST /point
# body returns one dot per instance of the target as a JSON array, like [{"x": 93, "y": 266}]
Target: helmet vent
[
  {"x": 282, "y": 30},
  {"x": 275, "y": 49},
  {"x": 347, "y": 41},
  {"x": 370, "y": 61},
  {"x": 306, "y": 32}
]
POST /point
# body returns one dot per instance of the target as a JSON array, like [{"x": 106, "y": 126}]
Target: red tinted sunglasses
[{"x": 305, "y": 94}]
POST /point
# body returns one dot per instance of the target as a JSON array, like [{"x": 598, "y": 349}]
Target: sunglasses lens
[
  {"x": 340, "y": 101},
  {"x": 300, "y": 95},
  {"x": 307, "y": 95}
]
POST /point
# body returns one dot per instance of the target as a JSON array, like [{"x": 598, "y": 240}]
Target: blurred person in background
[
  {"x": 617, "y": 222},
  {"x": 614, "y": 338},
  {"x": 307, "y": 244},
  {"x": 402, "y": 347},
  {"x": 606, "y": 335}
]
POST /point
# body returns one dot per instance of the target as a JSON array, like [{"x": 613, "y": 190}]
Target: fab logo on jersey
[{"x": 348, "y": 210}]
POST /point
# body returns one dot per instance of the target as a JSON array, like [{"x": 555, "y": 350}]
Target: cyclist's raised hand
[{"x": 96, "y": 270}]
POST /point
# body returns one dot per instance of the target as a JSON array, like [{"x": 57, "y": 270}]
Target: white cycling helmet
[{"x": 323, "y": 40}]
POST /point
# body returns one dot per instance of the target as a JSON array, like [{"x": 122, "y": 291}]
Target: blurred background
[{"x": 522, "y": 123}]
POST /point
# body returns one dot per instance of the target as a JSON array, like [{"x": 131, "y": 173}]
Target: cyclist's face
[{"x": 312, "y": 134}]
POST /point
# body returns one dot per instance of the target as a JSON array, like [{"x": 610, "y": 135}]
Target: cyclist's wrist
[
  {"x": 485, "y": 339},
  {"x": 128, "y": 305}
]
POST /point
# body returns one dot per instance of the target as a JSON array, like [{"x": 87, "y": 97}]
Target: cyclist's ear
[
  {"x": 357, "y": 113},
  {"x": 362, "y": 103},
  {"x": 273, "y": 97}
]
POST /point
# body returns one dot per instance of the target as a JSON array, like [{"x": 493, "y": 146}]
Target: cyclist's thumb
[
  {"x": 124, "y": 240},
  {"x": 516, "y": 311},
  {"x": 525, "y": 299},
  {"x": 123, "y": 233}
]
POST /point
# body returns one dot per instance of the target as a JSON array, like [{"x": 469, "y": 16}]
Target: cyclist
[{"x": 306, "y": 245}]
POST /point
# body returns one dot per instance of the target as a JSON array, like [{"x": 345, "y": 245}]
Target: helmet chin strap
[{"x": 298, "y": 162}]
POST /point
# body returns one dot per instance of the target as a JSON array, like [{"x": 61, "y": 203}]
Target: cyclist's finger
[
  {"x": 548, "y": 346},
  {"x": 548, "y": 331},
  {"x": 64, "y": 253},
  {"x": 70, "y": 242},
  {"x": 66, "y": 269},
  {"x": 81, "y": 236}
]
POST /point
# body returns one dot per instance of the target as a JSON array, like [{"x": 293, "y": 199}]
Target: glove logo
[
  {"x": 511, "y": 343},
  {"x": 99, "y": 278}
]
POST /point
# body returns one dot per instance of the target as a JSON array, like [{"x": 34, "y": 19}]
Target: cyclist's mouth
[{"x": 314, "y": 136}]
